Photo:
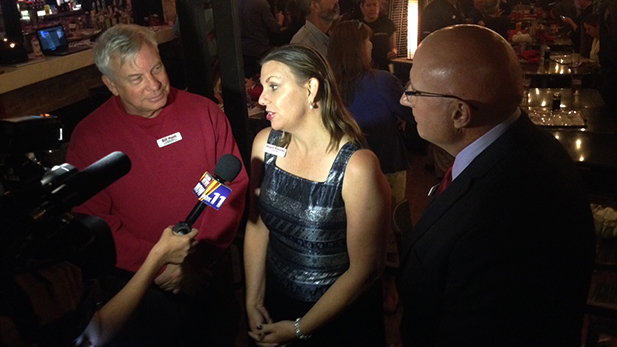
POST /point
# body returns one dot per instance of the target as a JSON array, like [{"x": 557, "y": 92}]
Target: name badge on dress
[
  {"x": 169, "y": 139},
  {"x": 275, "y": 150}
]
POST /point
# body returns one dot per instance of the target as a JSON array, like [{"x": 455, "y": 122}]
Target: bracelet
[{"x": 298, "y": 332}]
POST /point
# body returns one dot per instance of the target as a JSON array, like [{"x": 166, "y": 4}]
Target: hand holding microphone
[{"x": 226, "y": 170}]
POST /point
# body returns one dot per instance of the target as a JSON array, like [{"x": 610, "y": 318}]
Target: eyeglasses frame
[{"x": 418, "y": 93}]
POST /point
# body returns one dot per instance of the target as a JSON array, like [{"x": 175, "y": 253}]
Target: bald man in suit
[{"x": 503, "y": 255}]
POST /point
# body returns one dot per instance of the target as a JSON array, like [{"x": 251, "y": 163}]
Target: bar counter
[{"x": 55, "y": 82}]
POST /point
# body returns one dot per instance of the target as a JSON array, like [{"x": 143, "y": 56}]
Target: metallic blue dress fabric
[{"x": 307, "y": 249}]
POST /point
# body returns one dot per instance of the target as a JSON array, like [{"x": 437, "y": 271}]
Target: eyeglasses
[{"x": 418, "y": 93}]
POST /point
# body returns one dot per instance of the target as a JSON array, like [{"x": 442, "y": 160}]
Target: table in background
[
  {"x": 591, "y": 147},
  {"x": 557, "y": 72}
]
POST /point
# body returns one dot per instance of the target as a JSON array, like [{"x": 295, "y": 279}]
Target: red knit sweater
[{"x": 157, "y": 192}]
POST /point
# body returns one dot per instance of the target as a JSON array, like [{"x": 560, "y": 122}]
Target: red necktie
[{"x": 445, "y": 181}]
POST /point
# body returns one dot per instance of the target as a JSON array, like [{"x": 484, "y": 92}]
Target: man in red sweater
[{"x": 172, "y": 137}]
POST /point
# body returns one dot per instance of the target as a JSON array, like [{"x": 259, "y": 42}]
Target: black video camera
[
  {"x": 50, "y": 257},
  {"x": 36, "y": 222}
]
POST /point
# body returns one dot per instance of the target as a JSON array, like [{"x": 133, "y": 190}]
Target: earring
[{"x": 313, "y": 105}]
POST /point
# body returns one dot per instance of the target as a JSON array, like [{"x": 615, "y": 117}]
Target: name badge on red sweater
[{"x": 169, "y": 139}]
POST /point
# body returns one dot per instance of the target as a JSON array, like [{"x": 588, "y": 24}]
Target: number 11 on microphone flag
[{"x": 211, "y": 192}]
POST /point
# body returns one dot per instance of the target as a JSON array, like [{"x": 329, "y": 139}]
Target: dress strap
[
  {"x": 274, "y": 138},
  {"x": 337, "y": 172}
]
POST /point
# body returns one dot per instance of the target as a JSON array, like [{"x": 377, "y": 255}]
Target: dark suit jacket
[{"x": 503, "y": 256}]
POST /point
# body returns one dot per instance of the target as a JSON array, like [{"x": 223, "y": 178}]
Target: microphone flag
[{"x": 211, "y": 191}]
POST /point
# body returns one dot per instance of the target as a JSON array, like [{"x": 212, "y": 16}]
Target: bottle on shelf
[
  {"x": 87, "y": 24},
  {"x": 72, "y": 25},
  {"x": 80, "y": 23},
  {"x": 108, "y": 14},
  {"x": 101, "y": 16},
  {"x": 36, "y": 47}
]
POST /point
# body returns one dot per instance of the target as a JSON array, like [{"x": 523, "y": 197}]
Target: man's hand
[
  {"x": 170, "y": 278},
  {"x": 392, "y": 54},
  {"x": 172, "y": 249},
  {"x": 570, "y": 22}
]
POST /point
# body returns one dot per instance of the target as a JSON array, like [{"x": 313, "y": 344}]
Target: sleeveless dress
[{"x": 307, "y": 252}]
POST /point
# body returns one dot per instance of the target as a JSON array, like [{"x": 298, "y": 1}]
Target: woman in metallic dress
[{"x": 315, "y": 241}]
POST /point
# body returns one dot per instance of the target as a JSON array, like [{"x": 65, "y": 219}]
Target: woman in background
[
  {"x": 315, "y": 241},
  {"x": 591, "y": 24},
  {"x": 372, "y": 97},
  {"x": 383, "y": 34}
]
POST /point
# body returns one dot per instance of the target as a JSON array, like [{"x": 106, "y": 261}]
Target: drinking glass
[
  {"x": 577, "y": 80},
  {"x": 576, "y": 60},
  {"x": 526, "y": 82}
]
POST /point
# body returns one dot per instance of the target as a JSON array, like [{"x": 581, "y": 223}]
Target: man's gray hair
[{"x": 122, "y": 41}]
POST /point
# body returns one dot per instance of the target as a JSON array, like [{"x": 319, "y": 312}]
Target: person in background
[
  {"x": 257, "y": 27},
  {"x": 210, "y": 32},
  {"x": 384, "y": 34},
  {"x": 440, "y": 14},
  {"x": 580, "y": 39},
  {"x": 319, "y": 16},
  {"x": 372, "y": 96},
  {"x": 503, "y": 254},
  {"x": 493, "y": 18},
  {"x": 592, "y": 27},
  {"x": 315, "y": 242},
  {"x": 350, "y": 9},
  {"x": 294, "y": 20},
  {"x": 566, "y": 8},
  {"x": 171, "y": 138},
  {"x": 607, "y": 9},
  {"x": 465, "y": 6},
  {"x": 477, "y": 12}
]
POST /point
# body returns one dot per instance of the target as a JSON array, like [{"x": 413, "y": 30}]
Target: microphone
[
  {"x": 88, "y": 182},
  {"x": 68, "y": 187},
  {"x": 226, "y": 170}
]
